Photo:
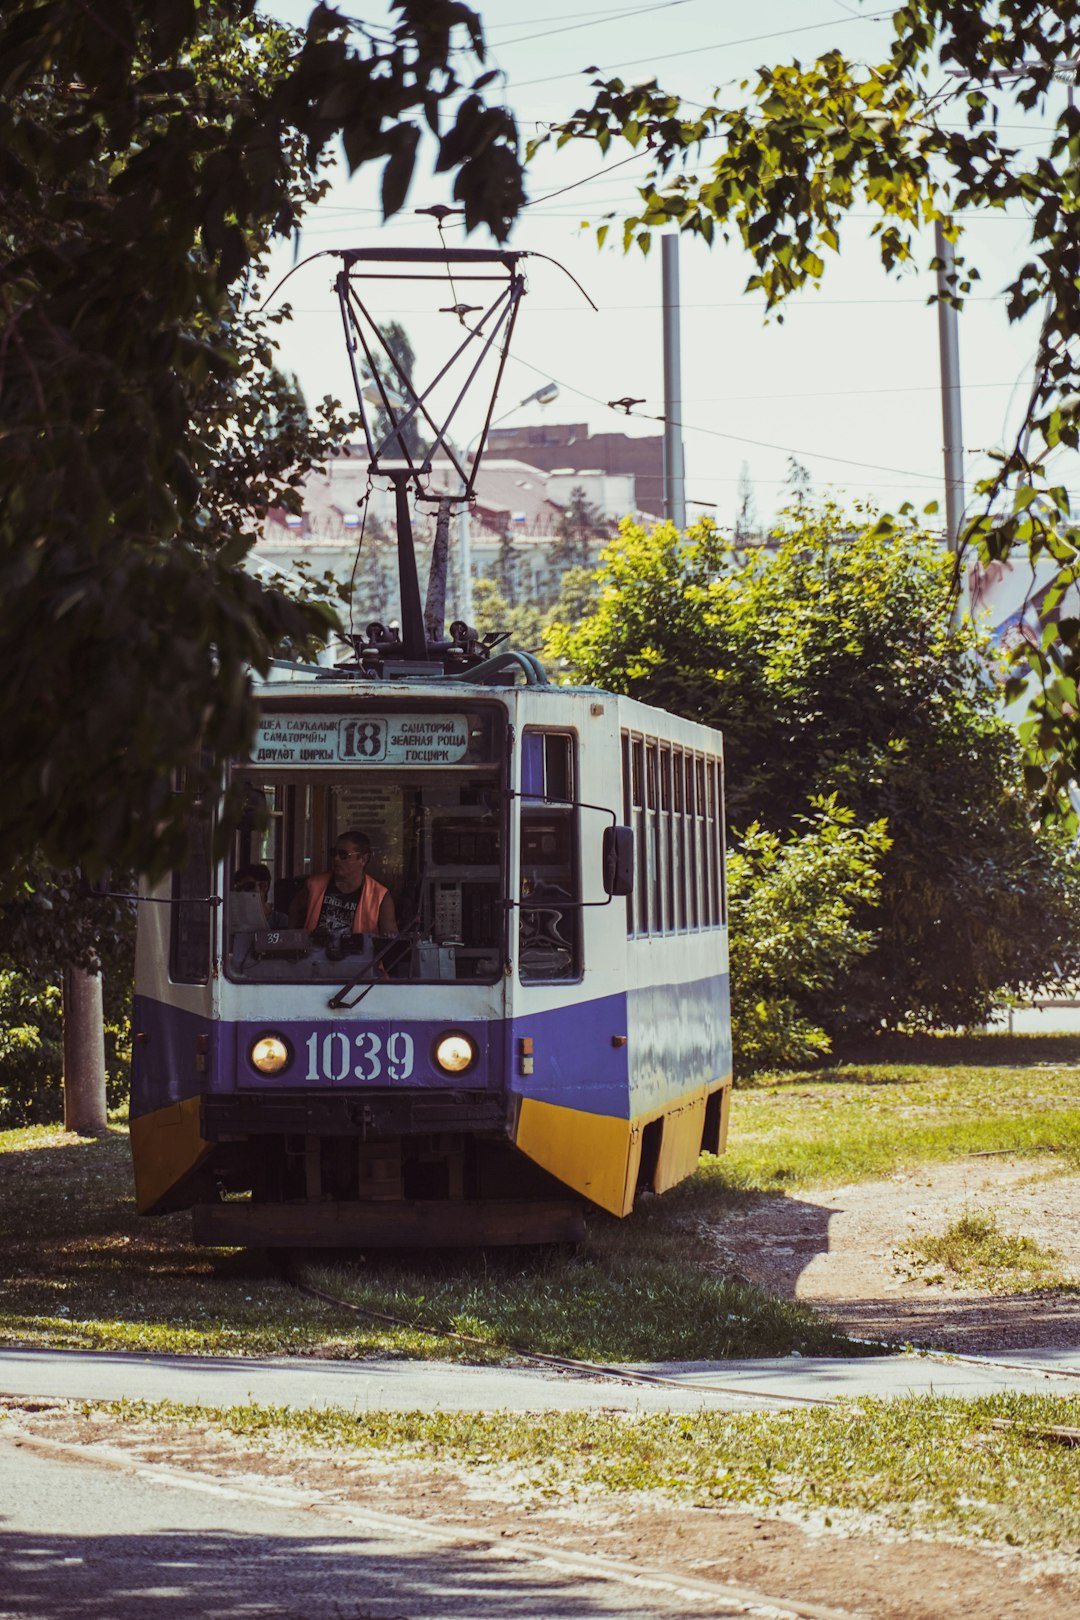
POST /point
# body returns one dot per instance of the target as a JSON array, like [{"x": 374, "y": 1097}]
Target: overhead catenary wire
[
  {"x": 698, "y": 50},
  {"x": 763, "y": 444},
  {"x": 595, "y": 21}
]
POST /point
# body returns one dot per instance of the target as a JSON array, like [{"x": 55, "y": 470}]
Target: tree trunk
[{"x": 84, "y": 1053}]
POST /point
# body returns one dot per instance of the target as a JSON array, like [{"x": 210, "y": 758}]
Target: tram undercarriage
[{"x": 378, "y": 1170}]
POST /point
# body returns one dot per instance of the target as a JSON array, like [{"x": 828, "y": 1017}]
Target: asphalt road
[
  {"x": 127, "y": 1541},
  {"x": 447, "y": 1386},
  {"x": 100, "y": 1535}
]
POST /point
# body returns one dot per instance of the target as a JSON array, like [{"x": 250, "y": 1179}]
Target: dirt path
[
  {"x": 838, "y": 1249},
  {"x": 847, "y": 1568}
]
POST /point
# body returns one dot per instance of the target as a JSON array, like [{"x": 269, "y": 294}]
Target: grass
[
  {"x": 989, "y": 1470},
  {"x": 951, "y": 1097},
  {"x": 974, "y": 1251},
  {"x": 637, "y": 1291},
  {"x": 81, "y": 1269}
]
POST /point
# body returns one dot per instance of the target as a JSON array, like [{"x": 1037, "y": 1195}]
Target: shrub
[{"x": 793, "y": 908}]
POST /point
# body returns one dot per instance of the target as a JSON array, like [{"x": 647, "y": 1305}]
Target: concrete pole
[
  {"x": 949, "y": 345},
  {"x": 674, "y": 466},
  {"x": 464, "y": 603},
  {"x": 435, "y": 605},
  {"x": 84, "y": 1053}
]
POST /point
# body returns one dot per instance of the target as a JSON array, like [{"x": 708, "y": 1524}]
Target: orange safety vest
[{"x": 366, "y": 915}]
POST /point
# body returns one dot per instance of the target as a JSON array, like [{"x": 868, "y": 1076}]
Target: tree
[
  {"x": 506, "y": 567},
  {"x": 578, "y": 529},
  {"x": 923, "y": 136},
  {"x": 833, "y": 669},
  {"x": 397, "y": 341},
  {"x": 149, "y": 154},
  {"x": 55, "y": 931},
  {"x": 577, "y": 596},
  {"x": 746, "y": 510},
  {"x": 524, "y": 622},
  {"x": 798, "y": 483}
]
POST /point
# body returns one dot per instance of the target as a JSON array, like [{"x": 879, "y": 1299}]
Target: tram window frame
[
  {"x": 720, "y": 844},
  {"x": 652, "y": 820},
  {"x": 627, "y": 819},
  {"x": 641, "y": 879},
  {"x": 678, "y": 822},
  {"x": 676, "y": 811},
  {"x": 690, "y": 824},
  {"x": 667, "y": 839},
  {"x": 548, "y": 793},
  {"x": 701, "y": 843},
  {"x": 310, "y": 814},
  {"x": 550, "y": 771},
  {"x": 191, "y": 920}
]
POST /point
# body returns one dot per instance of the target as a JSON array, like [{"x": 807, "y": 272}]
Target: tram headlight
[
  {"x": 270, "y": 1054},
  {"x": 455, "y": 1052}
]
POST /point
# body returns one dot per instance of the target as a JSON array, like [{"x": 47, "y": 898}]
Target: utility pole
[
  {"x": 949, "y": 345},
  {"x": 674, "y": 465}
]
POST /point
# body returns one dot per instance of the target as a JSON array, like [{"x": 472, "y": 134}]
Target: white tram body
[{"x": 529, "y": 1039}]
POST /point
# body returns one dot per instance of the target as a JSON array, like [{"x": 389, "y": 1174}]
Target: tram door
[{"x": 549, "y": 934}]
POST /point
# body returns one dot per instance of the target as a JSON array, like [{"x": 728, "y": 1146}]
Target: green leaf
[{"x": 398, "y": 173}]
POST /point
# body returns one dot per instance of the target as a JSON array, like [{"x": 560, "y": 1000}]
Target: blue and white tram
[{"x": 549, "y": 1025}]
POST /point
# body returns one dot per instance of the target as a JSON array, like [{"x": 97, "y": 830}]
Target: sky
[{"x": 848, "y": 384}]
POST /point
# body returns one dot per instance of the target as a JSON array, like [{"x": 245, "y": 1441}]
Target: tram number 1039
[{"x": 365, "y": 1056}]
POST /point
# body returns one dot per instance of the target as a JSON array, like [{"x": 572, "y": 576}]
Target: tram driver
[{"x": 347, "y": 899}]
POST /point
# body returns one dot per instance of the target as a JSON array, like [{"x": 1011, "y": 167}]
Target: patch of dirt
[
  {"x": 838, "y": 1250},
  {"x": 850, "y": 1568}
]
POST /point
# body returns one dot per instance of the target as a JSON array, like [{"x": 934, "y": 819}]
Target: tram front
[{"x": 319, "y": 1052}]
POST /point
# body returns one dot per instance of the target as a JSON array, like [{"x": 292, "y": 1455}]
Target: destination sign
[{"x": 361, "y": 739}]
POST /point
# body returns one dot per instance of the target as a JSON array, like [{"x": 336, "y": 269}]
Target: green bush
[
  {"x": 32, "y": 1048},
  {"x": 834, "y": 669},
  {"x": 793, "y": 907},
  {"x": 31, "y": 1052}
]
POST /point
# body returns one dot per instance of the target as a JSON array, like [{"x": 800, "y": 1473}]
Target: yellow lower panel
[
  {"x": 725, "y": 1116},
  {"x": 592, "y": 1153},
  {"x": 165, "y": 1146},
  {"x": 599, "y": 1156},
  {"x": 680, "y": 1146}
]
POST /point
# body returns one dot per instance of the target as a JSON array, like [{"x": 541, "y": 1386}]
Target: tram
[
  {"x": 549, "y": 1025},
  {"x": 463, "y": 968}
]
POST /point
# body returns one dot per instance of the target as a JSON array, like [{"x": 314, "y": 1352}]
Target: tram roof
[{"x": 307, "y": 681}]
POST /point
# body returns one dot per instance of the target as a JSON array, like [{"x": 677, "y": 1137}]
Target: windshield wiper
[{"x": 366, "y": 972}]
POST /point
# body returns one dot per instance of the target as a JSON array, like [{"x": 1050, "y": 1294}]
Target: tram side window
[
  {"x": 191, "y": 932},
  {"x": 549, "y": 944},
  {"x": 641, "y": 854},
  {"x": 678, "y": 821},
  {"x": 628, "y": 818},
  {"x": 716, "y": 829},
  {"x": 547, "y": 765},
  {"x": 667, "y": 829},
  {"x": 673, "y": 799}
]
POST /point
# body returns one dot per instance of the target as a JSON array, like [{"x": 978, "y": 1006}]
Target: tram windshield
[{"x": 370, "y": 844}]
